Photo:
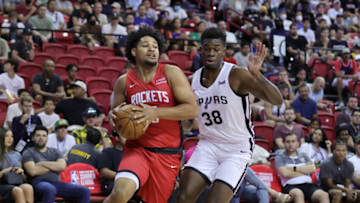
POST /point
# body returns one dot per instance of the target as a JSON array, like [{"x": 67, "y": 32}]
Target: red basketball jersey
[{"x": 162, "y": 133}]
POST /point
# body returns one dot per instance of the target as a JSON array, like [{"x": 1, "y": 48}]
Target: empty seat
[
  {"x": 54, "y": 49},
  {"x": 29, "y": 69},
  {"x": 86, "y": 71},
  {"x": 265, "y": 131},
  {"x": 78, "y": 50},
  {"x": 94, "y": 61},
  {"x": 102, "y": 97},
  {"x": 98, "y": 83},
  {"x": 181, "y": 58},
  {"x": 117, "y": 62},
  {"x": 60, "y": 70},
  {"x": 109, "y": 72},
  {"x": 67, "y": 59},
  {"x": 41, "y": 57},
  {"x": 3, "y": 105},
  {"x": 104, "y": 52}
]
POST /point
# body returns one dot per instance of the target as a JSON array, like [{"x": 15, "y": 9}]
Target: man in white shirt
[
  {"x": 176, "y": 11},
  {"x": 10, "y": 82},
  {"x": 230, "y": 37},
  {"x": 48, "y": 116},
  {"x": 61, "y": 140},
  {"x": 336, "y": 10},
  {"x": 307, "y": 32},
  {"x": 208, "y": 19},
  {"x": 113, "y": 28},
  {"x": 56, "y": 16},
  {"x": 355, "y": 160},
  {"x": 100, "y": 16},
  {"x": 64, "y": 6},
  {"x": 15, "y": 108}
]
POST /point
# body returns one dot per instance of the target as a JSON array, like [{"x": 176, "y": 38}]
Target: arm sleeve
[
  {"x": 26, "y": 157},
  {"x": 36, "y": 80}
]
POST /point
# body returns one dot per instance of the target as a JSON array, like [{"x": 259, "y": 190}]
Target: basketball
[{"x": 126, "y": 125}]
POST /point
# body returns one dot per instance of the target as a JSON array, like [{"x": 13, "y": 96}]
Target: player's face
[
  {"x": 147, "y": 51},
  {"x": 212, "y": 53}
]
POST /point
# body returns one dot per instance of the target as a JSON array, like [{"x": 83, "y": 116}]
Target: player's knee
[{"x": 185, "y": 195}]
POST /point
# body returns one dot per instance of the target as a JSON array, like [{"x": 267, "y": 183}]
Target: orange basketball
[{"x": 126, "y": 125}]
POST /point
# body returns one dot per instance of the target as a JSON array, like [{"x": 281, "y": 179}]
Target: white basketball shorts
[{"x": 219, "y": 162}]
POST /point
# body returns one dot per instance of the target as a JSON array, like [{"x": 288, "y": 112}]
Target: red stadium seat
[
  {"x": 54, "y": 49},
  {"x": 180, "y": 57},
  {"x": 86, "y": 71},
  {"x": 104, "y": 52},
  {"x": 263, "y": 143},
  {"x": 60, "y": 70},
  {"x": 268, "y": 175},
  {"x": 109, "y": 72},
  {"x": 102, "y": 97},
  {"x": 94, "y": 61},
  {"x": 66, "y": 59},
  {"x": 265, "y": 131},
  {"x": 330, "y": 132},
  {"x": 2, "y": 119},
  {"x": 117, "y": 62},
  {"x": 319, "y": 67},
  {"x": 41, "y": 57},
  {"x": 78, "y": 50},
  {"x": 82, "y": 174},
  {"x": 29, "y": 69},
  {"x": 326, "y": 118},
  {"x": 98, "y": 83},
  {"x": 170, "y": 62},
  {"x": 3, "y": 105},
  {"x": 64, "y": 37}
]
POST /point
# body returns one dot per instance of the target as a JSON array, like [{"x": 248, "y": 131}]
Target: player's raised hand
[{"x": 255, "y": 62}]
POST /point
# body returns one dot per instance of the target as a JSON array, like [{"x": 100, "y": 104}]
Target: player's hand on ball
[
  {"x": 145, "y": 113},
  {"x": 113, "y": 115}
]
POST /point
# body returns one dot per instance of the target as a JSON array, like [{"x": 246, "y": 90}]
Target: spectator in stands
[
  {"x": 307, "y": 32},
  {"x": 318, "y": 149},
  {"x": 300, "y": 79},
  {"x": 64, "y": 6},
  {"x": 176, "y": 11},
  {"x": 14, "y": 109},
  {"x": 23, "y": 50},
  {"x": 317, "y": 90},
  {"x": 90, "y": 117},
  {"x": 295, "y": 46},
  {"x": 344, "y": 116},
  {"x": 287, "y": 128},
  {"x": 72, "y": 109},
  {"x": 10, "y": 5},
  {"x": 305, "y": 107},
  {"x": 4, "y": 51},
  {"x": 56, "y": 16},
  {"x": 47, "y": 83},
  {"x": 336, "y": 174},
  {"x": 338, "y": 44},
  {"x": 113, "y": 28},
  {"x": 242, "y": 57},
  {"x": 294, "y": 168},
  {"x": 324, "y": 43},
  {"x": 86, "y": 152},
  {"x": 196, "y": 35},
  {"x": 162, "y": 23},
  {"x": 43, "y": 165},
  {"x": 61, "y": 140},
  {"x": 91, "y": 40},
  {"x": 176, "y": 32},
  {"x": 283, "y": 16},
  {"x": 41, "y": 21},
  {"x": 14, "y": 25},
  {"x": 161, "y": 4},
  {"x": 320, "y": 24},
  {"x": 71, "y": 71},
  {"x": 228, "y": 56},
  {"x": 346, "y": 71},
  {"x": 208, "y": 18},
  {"x": 101, "y": 18},
  {"x": 141, "y": 18},
  {"x": 25, "y": 9},
  {"x": 48, "y": 116},
  {"x": 150, "y": 12},
  {"x": 252, "y": 188},
  {"x": 275, "y": 114},
  {"x": 23, "y": 126},
  {"x": 342, "y": 134},
  {"x": 335, "y": 10},
  {"x": 79, "y": 16},
  {"x": 109, "y": 162},
  {"x": 230, "y": 36},
  {"x": 116, "y": 10},
  {"x": 355, "y": 160},
  {"x": 11, "y": 162},
  {"x": 10, "y": 82},
  {"x": 106, "y": 7},
  {"x": 354, "y": 125},
  {"x": 283, "y": 77},
  {"x": 322, "y": 11}
]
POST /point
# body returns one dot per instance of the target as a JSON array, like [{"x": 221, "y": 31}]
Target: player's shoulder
[
  {"x": 238, "y": 72},
  {"x": 171, "y": 68}
]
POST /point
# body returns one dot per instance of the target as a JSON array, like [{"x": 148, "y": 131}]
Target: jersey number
[{"x": 214, "y": 117}]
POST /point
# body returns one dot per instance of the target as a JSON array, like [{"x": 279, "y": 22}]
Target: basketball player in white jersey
[{"x": 225, "y": 148}]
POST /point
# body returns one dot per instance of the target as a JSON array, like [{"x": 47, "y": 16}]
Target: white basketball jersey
[{"x": 224, "y": 117}]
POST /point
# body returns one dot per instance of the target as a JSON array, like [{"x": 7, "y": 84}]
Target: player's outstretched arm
[
  {"x": 253, "y": 81},
  {"x": 119, "y": 92},
  {"x": 186, "y": 107}
]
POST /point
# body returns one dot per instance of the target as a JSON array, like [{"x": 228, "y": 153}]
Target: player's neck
[{"x": 146, "y": 73}]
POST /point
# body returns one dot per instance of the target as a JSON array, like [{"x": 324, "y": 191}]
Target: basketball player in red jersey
[{"x": 151, "y": 163}]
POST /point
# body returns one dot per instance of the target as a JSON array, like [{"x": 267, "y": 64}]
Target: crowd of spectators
[{"x": 298, "y": 33}]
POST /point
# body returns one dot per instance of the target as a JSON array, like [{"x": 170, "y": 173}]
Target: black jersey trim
[
  {"x": 247, "y": 120},
  {"x": 241, "y": 179}
]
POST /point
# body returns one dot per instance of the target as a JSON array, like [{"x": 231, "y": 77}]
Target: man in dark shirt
[
  {"x": 305, "y": 107},
  {"x": 72, "y": 109},
  {"x": 47, "y": 84},
  {"x": 79, "y": 16},
  {"x": 23, "y": 126},
  {"x": 108, "y": 164},
  {"x": 23, "y": 50},
  {"x": 338, "y": 43},
  {"x": 336, "y": 174},
  {"x": 86, "y": 153},
  {"x": 296, "y": 46},
  {"x": 43, "y": 165}
]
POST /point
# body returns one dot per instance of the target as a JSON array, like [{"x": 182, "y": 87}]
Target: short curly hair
[
  {"x": 134, "y": 38},
  {"x": 214, "y": 33}
]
